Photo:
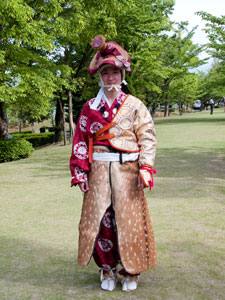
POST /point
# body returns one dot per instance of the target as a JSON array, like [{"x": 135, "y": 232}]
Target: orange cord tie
[
  {"x": 104, "y": 128},
  {"x": 90, "y": 146},
  {"x": 105, "y": 137},
  {"x": 98, "y": 137}
]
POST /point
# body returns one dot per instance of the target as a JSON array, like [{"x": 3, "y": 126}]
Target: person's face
[{"x": 111, "y": 75}]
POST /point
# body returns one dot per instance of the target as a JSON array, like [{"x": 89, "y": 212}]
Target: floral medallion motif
[
  {"x": 95, "y": 126},
  {"x": 80, "y": 150},
  {"x": 105, "y": 245},
  {"x": 83, "y": 123},
  {"x": 80, "y": 174}
]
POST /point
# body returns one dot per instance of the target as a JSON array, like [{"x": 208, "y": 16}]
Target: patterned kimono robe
[{"x": 113, "y": 183}]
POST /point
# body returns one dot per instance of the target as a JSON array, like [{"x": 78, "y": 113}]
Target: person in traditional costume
[{"x": 112, "y": 158}]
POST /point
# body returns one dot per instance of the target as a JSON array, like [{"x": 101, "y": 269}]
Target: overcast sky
[{"x": 185, "y": 10}]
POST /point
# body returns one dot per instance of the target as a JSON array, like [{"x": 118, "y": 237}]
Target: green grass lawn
[{"x": 40, "y": 214}]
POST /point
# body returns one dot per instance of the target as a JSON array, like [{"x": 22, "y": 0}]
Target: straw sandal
[
  {"x": 108, "y": 280},
  {"x": 129, "y": 283}
]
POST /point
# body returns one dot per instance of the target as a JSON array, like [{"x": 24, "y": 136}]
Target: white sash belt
[{"x": 109, "y": 156}]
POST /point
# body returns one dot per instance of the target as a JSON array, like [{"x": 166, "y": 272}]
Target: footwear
[
  {"x": 129, "y": 283},
  {"x": 108, "y": 280}
]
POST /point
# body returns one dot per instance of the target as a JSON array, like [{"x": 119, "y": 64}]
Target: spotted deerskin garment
[{"x": 117, "y": 184}]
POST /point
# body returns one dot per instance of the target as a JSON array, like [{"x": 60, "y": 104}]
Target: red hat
[{"x": 108, "y": 53}]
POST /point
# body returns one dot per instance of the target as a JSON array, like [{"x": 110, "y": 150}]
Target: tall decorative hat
[{"x": 108, "y": 53}]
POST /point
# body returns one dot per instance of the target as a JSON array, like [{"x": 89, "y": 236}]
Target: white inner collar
[{"x": 107, "y": 100}]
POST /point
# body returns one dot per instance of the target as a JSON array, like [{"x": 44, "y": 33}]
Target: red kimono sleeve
[{"x": 79, "y": 164}]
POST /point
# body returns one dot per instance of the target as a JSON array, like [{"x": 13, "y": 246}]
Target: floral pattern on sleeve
[{"x": 79, "y": 164}]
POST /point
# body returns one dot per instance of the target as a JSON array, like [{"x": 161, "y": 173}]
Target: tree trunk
[
  {"x": 71, "y": 124},
  {"x": 3, "y": 122},
  {"x": 19, "y": 125},
  {"x": 165, "y": 92},
  {"x": 64, "y": 121},
  {"x": 52, "y": 116},
  {"x": 166, "y": 109},
  {"x": 59, "y": 120},
  {"x": 32, "y": 126},
  {"x": 180, "y": 107},
  {"x": 154, "y": 106}
]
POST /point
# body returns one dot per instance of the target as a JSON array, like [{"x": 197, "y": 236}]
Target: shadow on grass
[
  {"x": 175, "y": 162},
  {"x": 182, "y": 266},
  {"x": 193, "y": 150},
  {"x": 47, "y": 163},
  {"x": 189, "y": 269},
  {"x": 35, "y": 264},
  {"x": 182, "y": 120},
  {"x": 195, "y": 162}
]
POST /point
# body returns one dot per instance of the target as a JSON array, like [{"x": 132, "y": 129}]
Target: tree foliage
[
  {"x": 45, "y": 51},
  {"x": 176, "y": 56},
  {"x": 215, "y": 29},
  {"x": 213, "y": 82},
  {"x": 24, "y": 72}
]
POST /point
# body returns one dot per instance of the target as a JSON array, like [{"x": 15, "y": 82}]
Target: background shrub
[
  {"x": 17, "y": 133},
  {"x": 38, "y": 139},
  {"x": 15, "y": 148}
]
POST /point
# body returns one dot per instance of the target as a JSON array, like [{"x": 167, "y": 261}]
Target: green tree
[
  {"x": 178, "y": 56},
  {"x": 45, "y": 52},
  {"x": 24, "y": 42},
  {"x": 133, "y": 24},
  {"x": 214, "y": 80},
  {"x": 138, "y": 27},
  {"x": 215, "y": 29},
  {"x": 184, "y": 90},
  {"x": 213, "y": 83},
  {"x": 140, "y": 31},
  {"x": 74, "y": 28}
]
